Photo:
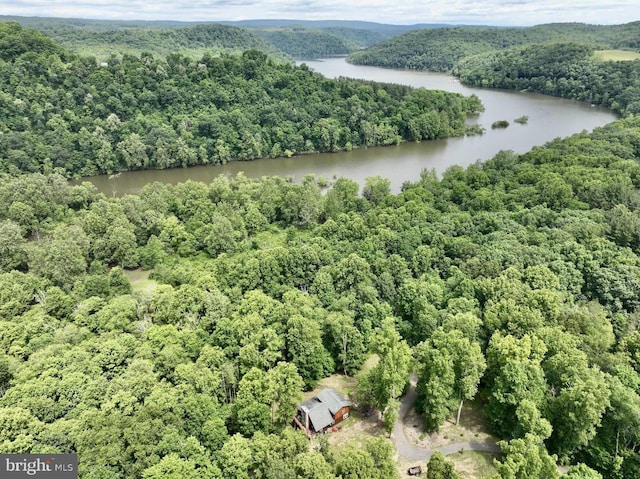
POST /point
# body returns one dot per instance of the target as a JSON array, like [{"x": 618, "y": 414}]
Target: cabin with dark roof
[{"x": 323, "y": 411}]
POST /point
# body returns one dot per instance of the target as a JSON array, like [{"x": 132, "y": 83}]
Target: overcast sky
[{"x": 489, "y": 12}]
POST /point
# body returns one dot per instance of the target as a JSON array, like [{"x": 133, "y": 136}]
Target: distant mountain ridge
[
  {"x": 265, "y": 23},
  {"x": 440, "y": 50},
  {"x": 323, "y": 24},
  {"x": 301, "y": 39},
  {"x": 105, "y": 38}
]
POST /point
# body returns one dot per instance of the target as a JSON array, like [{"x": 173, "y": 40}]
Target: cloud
[{"x": 487, "y": 12}]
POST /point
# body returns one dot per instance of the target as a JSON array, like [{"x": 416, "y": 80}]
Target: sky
[{"x": 489, "y": 12}]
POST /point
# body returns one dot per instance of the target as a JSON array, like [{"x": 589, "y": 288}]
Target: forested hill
[
  {"x": 516, "y": 280},
  {"x": 520, "y": 277},
  {"x": 82, "y": 117},
  {"x": 567, "y": 70},
  {"x": 104, "y": 40},
  {"x": 307, "y": 43},
  {"x": 360, "y": 37},
  {"x": 297, "y": 38},
  {"x": 441, "y": 49},
  {"x": 385, "y": 30},
  {"x": 15, "y": 41}
]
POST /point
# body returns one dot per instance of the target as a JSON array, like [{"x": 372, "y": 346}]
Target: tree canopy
[{"x": 516, "y": 280}]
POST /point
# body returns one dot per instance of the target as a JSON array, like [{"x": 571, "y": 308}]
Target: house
[{"x": 323, "y": 411}]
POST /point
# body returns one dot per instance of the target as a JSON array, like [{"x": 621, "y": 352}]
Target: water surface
[{"x": 549, "y": 118}]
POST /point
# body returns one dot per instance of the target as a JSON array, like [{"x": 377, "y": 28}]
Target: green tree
[
  {"x": 19, "y": 430},
  {"x": 581, "y": 398},
  {"x": 514, "y": 374},
  {"x": 388, "y": 378},
  {"x": 439, "y": 468},
  {"x": 133, "y": 152},
  {"x": 355, "y": 464},
  {"x": 382, "y": 452},
  {"x": 376, "y": 189},
  {"x": 12, "y": 246},
  {"x": 62, "y": 258},
  {"x": 582, "y": 471},
  {"x": 235, "y": 458},
  {"x": 524, "y": 458},
  {"x": 347, "y": 341},
  {"x": 312, "y": 465},
  {"x": 173, "y": 466},
  {"x": 267, "y": 401},
  {"x": 306, "y": 351},
  {"x": 449, "y": 370},
  {"x": 391, "y": 415}
]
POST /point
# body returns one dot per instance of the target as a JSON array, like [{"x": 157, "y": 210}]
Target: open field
[
  {"x": 617, "y": 55},
  {"x": 473, "y": 464},
  {"x": 140, "y": 281}
]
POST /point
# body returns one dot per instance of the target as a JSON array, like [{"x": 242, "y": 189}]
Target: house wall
[
  {"x": 342, "y": 414},
  {"x": 303, "y": 417}
]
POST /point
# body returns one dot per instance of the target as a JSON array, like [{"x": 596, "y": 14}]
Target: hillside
[
  {"x": 171, "y": 334},
  {"x": 296, "y": 38},
  {"x": 568, "y": 70},
  {"x": 382, "y": 29},
  {"x": 307, "y": 43},
  {"x": 104, "y": 39},
  {"x": 83, "y": 117},
  {"x": 529, "y": 264},
  {"x": 301, "y": 39},
  {"x": 441, "y": 49},
  {"x": 14, "y": 42}
]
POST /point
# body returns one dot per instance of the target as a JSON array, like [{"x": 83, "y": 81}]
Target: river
[{"x": 549, "y": 118}]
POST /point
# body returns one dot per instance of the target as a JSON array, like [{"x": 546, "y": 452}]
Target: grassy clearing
[
  {"x": 270, "y": 238},
  {"x": 616, "y": 55},
  {"x": 405, "y": 464},
  {"x": 473, "y": 464},
  {"x": 469, "y": 464},
  {"x": 473, "y": 427},
  {"x": 345, "y": 385},
  {"x": 140, "y": 281},
  {"x": 356, "y": 431}
]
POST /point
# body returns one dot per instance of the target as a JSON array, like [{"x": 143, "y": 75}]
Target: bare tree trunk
[
  {"x": 344, "y": 353},
  {"x": 459, "y": 411}
]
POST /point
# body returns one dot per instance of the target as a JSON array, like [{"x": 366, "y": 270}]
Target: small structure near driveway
[
  {"x": 321, "y": 412},
  {"x": 415, "y": 471}
]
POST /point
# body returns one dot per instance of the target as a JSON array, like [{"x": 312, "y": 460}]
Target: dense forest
[
  {"x": 298, "y": 39},
  {"x": 567, "y": 70},
  {"x": 307, "y": 43},
  {"x": 515, "y": 281},
  {"x": 530, "y": 263},
  {"x": 555, "y": 59},
  {"x": 160, "y": 40},
  {"x": 75, "y": 116},
  {"x": 441, "y": 49}
]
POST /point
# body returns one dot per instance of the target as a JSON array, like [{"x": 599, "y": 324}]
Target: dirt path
[{"x": 408, "y": 450}]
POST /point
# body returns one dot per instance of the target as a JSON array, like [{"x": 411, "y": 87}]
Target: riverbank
[{"x": 549, "y": 118}]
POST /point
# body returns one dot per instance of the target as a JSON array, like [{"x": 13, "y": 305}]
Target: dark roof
[{"x": 323, "y": 407}]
